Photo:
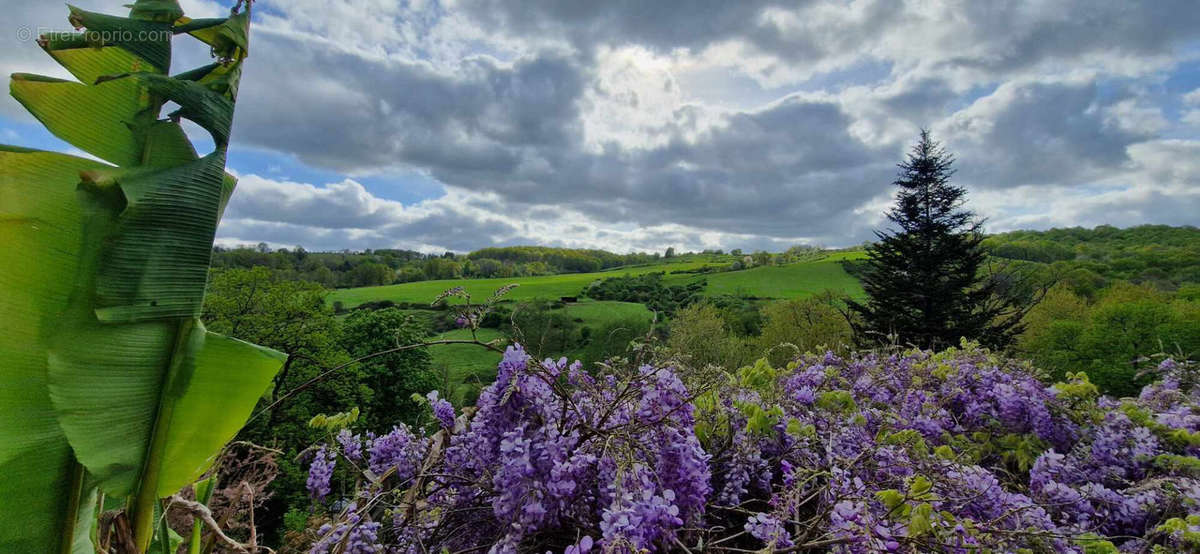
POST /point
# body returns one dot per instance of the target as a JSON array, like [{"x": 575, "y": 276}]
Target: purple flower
[
  {"x": 399, "y": 450},
  {"x": 770, "y": 530},
  {"x": 442, "y": 410},
  {"x": 351, "y": 445},
  {"x": 320, "y": 472}
]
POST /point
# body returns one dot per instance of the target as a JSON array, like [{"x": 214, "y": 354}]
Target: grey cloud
[
  {"x": 992, "y": 37},
  {"x": 341, "y": 110},
  {"x": 1038, "y": 133},
  {"x": 512, "y": 133}
]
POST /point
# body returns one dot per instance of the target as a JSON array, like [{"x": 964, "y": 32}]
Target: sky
[{"x": 635, "y": 125}]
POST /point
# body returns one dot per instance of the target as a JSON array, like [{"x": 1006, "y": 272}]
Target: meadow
[{"x": 788, "y": 281}]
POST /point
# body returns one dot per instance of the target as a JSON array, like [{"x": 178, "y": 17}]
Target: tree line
[{"x": 378, "y": 267}]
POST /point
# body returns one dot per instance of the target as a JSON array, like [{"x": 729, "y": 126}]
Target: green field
[
  {"x": 788, "y": 281},
  {"x": 529, "y": 288},
  {"x": 466, "y": 366},
  {"x": 793, "y": 280}
]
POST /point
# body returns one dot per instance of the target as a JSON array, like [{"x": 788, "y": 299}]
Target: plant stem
[
  {"x": 141, "y": 516},
  {"x": 71, "y": 522}
]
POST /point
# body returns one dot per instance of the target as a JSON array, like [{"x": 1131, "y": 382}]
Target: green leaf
[
  {"x": 920, "y": 522},
  {"x": 918, "y": 487},
  {"x": 148, "y": 40},
  {"x": 88, "y": 61},
  {"x": 107, "y": 378},
  {"x": 97, "y": 119},
  {"x": 226, "y": 36},
  {"x": 155, "y": 259},
  {"x": 228, "y": 379},
  {"x": 891, "y": 498},
  {"x": 39, "y": 479},
  {"x": 156, "y": 10},
  {"x": 207, "y": 108}
]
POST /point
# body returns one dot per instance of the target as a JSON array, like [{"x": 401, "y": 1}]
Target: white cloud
[{"x": 629, "y": 124}]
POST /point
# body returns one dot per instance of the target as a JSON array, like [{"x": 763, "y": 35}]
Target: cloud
[
  {"x": 641, "y": 125},
  {"x": 1046, "y": 132},
  {"x": 286, "y": 213}
]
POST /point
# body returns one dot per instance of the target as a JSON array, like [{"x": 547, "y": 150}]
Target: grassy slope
[
  {"x": 799, "y": 279},
  {"x": 789, "y": 281},
  {"x": 548, "y": 286},
  {"x": 468, "y": 365}
]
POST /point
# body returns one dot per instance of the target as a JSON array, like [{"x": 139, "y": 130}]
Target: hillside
[{"x": 787, "y": 281}]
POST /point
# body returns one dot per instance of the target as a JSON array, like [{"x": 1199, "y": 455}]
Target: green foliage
[
  {"x": 394, "y": 377},
  {"x": 107, "y": 371},
  {"x": 647, "y": 289},
  {"x": 699, "y": 333},
  {"x": 837, "y": 401},
  {"x": 260, "y": 305},
  {"x": 335, "y": 422},
  {"x": 1158, "y": 255},
  {"x": 544, "y": 329},
  {"x": 1114, "y": 338},
  {"x": 810, "y": 324}
]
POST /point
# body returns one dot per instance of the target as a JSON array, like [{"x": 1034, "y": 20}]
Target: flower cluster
[{"x": 957, "y": 451}]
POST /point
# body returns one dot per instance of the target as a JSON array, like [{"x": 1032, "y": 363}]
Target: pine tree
[{"x": 923, "y": 280}]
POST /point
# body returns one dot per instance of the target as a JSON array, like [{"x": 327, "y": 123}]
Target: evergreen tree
[{"x": 923, "y": 279}]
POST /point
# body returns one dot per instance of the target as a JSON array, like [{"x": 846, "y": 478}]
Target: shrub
[{"x": 915, "y": 452}]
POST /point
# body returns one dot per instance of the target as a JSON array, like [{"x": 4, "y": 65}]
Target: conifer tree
[{"x": 923, "y": 279}]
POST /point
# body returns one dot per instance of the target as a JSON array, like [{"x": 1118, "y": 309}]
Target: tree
[
  {"x": 393, "y": 378},
  {"x": 808, "y": 323},
  {"x": 923, "y": 280},
  {"x": 291, "y": 316},
  {"x": 699, "y": 333}
]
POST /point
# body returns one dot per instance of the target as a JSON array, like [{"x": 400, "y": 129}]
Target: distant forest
[
  {"x": 1159, "y": 255},
  {"x": 387, "y": 266}
]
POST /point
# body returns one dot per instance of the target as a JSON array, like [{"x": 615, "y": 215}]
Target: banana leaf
[{"x": 108, "y": 379}]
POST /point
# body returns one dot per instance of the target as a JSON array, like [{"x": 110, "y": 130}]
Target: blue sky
[{"x": 628, "y": 125}]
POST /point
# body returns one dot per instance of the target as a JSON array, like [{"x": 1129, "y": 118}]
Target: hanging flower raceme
[{"x": 958, "y": 451}]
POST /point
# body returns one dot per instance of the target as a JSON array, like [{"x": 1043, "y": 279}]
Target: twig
[{"x": 201, "y": 511}]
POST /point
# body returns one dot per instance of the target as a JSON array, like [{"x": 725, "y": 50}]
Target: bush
[
  {"x": 958, "y": 451},
  {"x": 647, "y": 289},
  {"x": 807, "y": 323},
  {"x": 700, "y": 335}
]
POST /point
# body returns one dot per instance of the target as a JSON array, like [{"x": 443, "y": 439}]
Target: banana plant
[{"x": 109, "y": 382}]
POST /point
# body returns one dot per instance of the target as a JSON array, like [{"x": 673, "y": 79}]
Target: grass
[
  {"x": 529, "y": 288},
  {"x": 789, "y": 281},
  {"x": 464, "y": 364},
  {"x": 596, "y": 313},
  {"x": 469, "y": 366}
]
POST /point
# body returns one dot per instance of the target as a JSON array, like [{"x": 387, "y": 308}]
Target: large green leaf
[
  {"x": 40, "y": 228},
  {"x": 97, "y": 119},
  {"x": 155, "y": 265},
  {"x": 204, "y": 106},
  {"x": 88, "y": 61},
  {"x": 108, "y": 379},
  {"x": 148, "y": 40},
  {"x": 228, "y": 378},
  {"x": 226, "y": 36},
  {"x": 129, "y": 356}
]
